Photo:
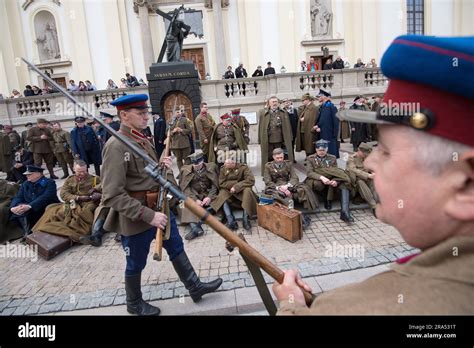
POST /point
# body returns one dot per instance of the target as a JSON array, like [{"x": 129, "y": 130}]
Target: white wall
[{"x": 442, "y": 17}]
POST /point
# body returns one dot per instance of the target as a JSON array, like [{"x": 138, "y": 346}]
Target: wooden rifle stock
[{"x": 162, "y": 202}]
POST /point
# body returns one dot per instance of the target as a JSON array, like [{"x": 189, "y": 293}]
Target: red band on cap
[
  {"x": 453, "y": 114},
  {"x": 131, "y": 105}
]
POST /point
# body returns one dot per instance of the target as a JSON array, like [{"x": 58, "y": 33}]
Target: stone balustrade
[{"x": 247, "y": 94}]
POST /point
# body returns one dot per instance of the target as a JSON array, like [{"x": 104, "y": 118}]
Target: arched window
[
  {"x": 415, "y": 17},
  {"x": 47, "y": 36}
]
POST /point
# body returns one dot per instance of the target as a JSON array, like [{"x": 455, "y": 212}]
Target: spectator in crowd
[
  {"x": 359, "y": 64},
  {"x": 141, "y": 82},
  {"x": 359, "y": 131},
  {"x": 328, "y": 64},
  {"x": 372, "y": 63},
  {"x": 111, "y": 84},
  {"x": 34, "y": 196},
  {"x": 303, "y": 66},
  {"x": 37, "y": 90},
  {"x": 15, "y": 138},
  {"x": 28, "y": 92},
  {"x": 240, "y": 71},
  {"x": 82, "y": 87},
  {"x": 229, "y": 74},
  {"x": 90, "y": 86},
  {"x": 16, "y": 94},
  {"x": 258, "y": 72},
  {"x": 22, "y": 159},
  {"x": 85, "y": 145},
  {"x": 24, "y": 142},
  {"x": 338, "y": 64},
  {"x": 312, "y": 66},
  {"x": 72, "y": 86},
  {"x": 159, "y": 132},
  {"x": 269, "y": 70},
  {"x": 45, "y": 90},
  {"x": 123, "y": 83},
  {"x": 132, "y": 81}
]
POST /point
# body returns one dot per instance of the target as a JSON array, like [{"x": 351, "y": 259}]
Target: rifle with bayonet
[
  {"x": 162, "y": 197},
  {"x": 153, "y": 170}
]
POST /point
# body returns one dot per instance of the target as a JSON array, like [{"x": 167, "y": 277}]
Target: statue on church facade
[
  {"x": 175, "y": 35},
  {"x": 49, "y": 43},
  {"x": 321, "y": 18}
]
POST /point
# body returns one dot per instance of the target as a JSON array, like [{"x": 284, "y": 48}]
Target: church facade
[{"x": 101, "y": 40}]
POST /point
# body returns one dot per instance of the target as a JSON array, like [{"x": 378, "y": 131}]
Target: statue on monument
[
  {"x": 177, "y": 32},
  {"x": 49, "y": 42},
  {"x": 320, "y": 19}
]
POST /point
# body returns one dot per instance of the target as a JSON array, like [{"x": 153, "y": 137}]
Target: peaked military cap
[
  {"x": 33, "y": 169},
  {"x": 131, "y": 101},
  {"x": 322, "y": 144}
]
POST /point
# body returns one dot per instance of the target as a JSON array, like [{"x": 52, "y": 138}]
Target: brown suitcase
[
  {"x": 49, "y": 245},
  {"x": 278, "y": 219}
]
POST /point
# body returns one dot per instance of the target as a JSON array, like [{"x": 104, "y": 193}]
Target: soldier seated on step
[
  {"x": 235, "y": 189},
  {"x": 324, "y": 177},
  {"x": 35, "y": 194},
  {"x": 198, "y": 181},
  {"x": 74, "y": 218},
  {"x": 283, "y": 184},
  {"x": 362, "y": 178}
]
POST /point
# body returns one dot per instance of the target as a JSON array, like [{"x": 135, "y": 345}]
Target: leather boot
[
  {"x": 306, "y": 221},
  {"x": 51, "y": 174},
  {"x": 66, "y": 172},
  {"x": 196, "y": 231},
  {"x": 328, "y": 205},
  {"x": 95, "y": 239},
  {"x": 135, "y": 302},
  {"x": 25, "y": 226},
  {"x": 231, "y": 223},
  {"x": 190, "y": 279},
  {"x": 345, "y": 212},
  {"x": 246, "y": 222}
]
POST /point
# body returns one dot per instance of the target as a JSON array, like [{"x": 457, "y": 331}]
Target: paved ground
[{"x": 92, "y": 278}]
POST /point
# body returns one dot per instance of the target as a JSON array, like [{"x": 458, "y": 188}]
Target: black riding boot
[
  {"x": 196, "y": 231},
  {"x": 190, "y": 279},
  {"x": 306, "y": 221},
  {"x": 246, "y": 222},
  {"x": 95, "y": 238},
  {"x": 231, "y": 223},
  {"x": 135, "y": 302},
  {"x": 25, "y": 226},
  {"x": 345, "y": 212}
]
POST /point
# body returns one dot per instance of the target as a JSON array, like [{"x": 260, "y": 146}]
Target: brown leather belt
[
  {"x": 149, "y": 198},
  {"x": 137, "y": 194}
]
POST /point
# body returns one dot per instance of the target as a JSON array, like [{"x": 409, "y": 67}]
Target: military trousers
[
  {"x": 65, "y": 159},
  {"x": 182, "y": 156},
  {"x": 137, "y": 247},
  {"x": 366, "y": 189},
  {"x": 47, "y": 157}
]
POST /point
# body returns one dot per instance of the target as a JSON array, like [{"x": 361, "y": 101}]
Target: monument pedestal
[{"x": 173, "y": 78}]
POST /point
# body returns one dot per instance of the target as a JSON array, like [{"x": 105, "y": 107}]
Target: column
[
  {"x": 147, "y": 43},
  {"x": 219, "y": 38}
]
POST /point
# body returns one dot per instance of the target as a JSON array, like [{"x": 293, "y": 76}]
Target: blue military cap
[
  {"x": 324, "y": 144},
  {"x": 131, "y": 101},
  {"x": 33, "y": 169},
  {"x": 433, "y": 93},
  {"x": 323, "y": 93},
  {"x": 79, "y": 119}
]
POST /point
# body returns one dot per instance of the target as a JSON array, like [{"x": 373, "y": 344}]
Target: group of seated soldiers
[{"x": 217, "y": 178}]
